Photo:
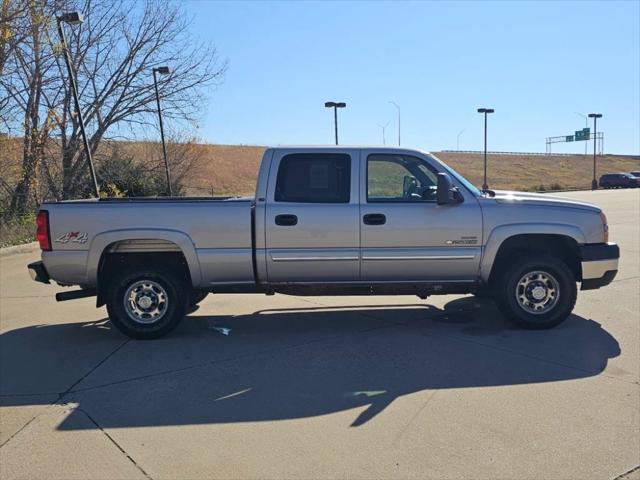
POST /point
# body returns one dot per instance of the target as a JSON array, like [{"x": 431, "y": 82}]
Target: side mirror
[{"x": 447, "y": 193}]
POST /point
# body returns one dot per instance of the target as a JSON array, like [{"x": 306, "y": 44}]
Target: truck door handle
[
  {"x": 374, "y": 219},
  {"x": 286, "y": 220}
]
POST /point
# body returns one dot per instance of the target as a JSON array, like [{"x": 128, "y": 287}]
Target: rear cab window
[{"x": 314, "y": 178}]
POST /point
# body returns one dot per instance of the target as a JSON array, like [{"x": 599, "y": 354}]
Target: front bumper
[
  {"x": 38, "y": 272},
  {"x": 599, "y": 264}
]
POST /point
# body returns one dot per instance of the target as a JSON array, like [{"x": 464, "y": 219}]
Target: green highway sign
[
  {"x": 568, "y": 138},
  {"x": 583, "y": 134}
]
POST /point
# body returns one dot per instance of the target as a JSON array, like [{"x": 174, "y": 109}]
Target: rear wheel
[
  {"x": 146, "y": 303},
  {"x": 537, "y": 292}
]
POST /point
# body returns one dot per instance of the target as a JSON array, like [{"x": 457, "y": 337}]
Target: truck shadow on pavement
[{"x": 289, "y": 363}]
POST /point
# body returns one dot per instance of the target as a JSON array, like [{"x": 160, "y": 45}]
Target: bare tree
[
  {"x": 12, "y": 34},
  {"x": 184, "y": 155},
  {"x": 23, "y": 85},
  {"x": 121, "y": 161},
  {"x": 113, "y": 52}
]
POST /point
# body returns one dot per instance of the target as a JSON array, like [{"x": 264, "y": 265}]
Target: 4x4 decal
[{"x": 76, "y": 237}]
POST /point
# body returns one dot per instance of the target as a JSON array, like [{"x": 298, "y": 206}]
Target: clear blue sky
[{"x": 536, "y": 63}]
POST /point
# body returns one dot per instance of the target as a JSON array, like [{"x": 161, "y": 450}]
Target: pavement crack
[
  {"x": 59, "y": 395},
  {"x": 28, "y": 423},
  {"x": 19, "y": 430},
  {"x": 628, "y": 473},
  {"x": 305, "y": 299},
  {"x": 106, "y": 434},
  {"x": 62, "y": 395},
  {"x": 618, "y": 280},
  {"x": 414, "y": 416}
]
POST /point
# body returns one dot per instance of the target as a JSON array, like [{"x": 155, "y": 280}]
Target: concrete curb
[
  {"x": 15, "y": 249},
  {"x": 565, "y": 190}
]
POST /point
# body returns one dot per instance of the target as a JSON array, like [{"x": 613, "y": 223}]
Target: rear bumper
[
  {"x": 38, "y": 272},
  {"x": 599, "y": 264}
]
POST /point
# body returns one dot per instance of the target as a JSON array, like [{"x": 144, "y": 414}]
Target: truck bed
[{"x": 217, "y": 230}]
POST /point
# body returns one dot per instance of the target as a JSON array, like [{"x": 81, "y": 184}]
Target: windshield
[{"x": 470, "y": 186}]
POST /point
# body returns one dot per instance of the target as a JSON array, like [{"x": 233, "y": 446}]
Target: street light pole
[
  {"x": 75, "y": 18},
  {"x": 485, "y": 111},
  {"x": 335, "y": 106},
  {"x": 458, "y": 139},
  {"x": 398, "y": 107},
  {"x": 162, "y": 71},
  {"x": 595, "y": 116},
  {"x": 384, "y": 128}
]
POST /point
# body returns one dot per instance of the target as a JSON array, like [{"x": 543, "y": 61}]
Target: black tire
[
  {"x": 167, "y": 308},
  {"x": 515, "y": 295}
]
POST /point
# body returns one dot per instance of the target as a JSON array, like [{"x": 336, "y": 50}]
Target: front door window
[{"x": 399, "y": 178}]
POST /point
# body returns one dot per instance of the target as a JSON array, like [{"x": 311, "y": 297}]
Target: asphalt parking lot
[{"x": 350, "y": 387}]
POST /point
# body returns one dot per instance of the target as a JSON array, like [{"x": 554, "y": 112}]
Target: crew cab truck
[{"x": 328, "y": 221}]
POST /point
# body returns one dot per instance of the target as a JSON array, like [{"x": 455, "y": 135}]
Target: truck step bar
[
  {"x": 422, "y": 289},
  {"x": 84, "y": 293}
]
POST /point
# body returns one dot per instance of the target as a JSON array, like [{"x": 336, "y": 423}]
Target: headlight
[{"x": 605, "y": 227}]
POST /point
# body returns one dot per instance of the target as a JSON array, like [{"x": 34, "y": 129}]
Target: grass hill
[
  {"x": 233, "y": 169},
  {"x": 222, "y": 170}
]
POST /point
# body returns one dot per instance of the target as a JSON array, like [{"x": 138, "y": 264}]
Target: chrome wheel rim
[
  {"x": 537, "y": 292},
  {"x": 146, "y": 302}
]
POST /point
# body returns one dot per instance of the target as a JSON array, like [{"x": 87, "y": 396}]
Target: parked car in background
[{"x": 619, "y": 180}]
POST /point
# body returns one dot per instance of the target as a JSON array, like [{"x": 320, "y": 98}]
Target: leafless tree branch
[{"x": 113, "y": 53}]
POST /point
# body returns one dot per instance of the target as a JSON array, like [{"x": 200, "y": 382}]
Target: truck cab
[{"x": 365, "y": 215}]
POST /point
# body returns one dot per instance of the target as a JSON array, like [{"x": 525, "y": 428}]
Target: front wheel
[
  {"x": 537, "y": 292},
  {"x": 146, "y": 303}
]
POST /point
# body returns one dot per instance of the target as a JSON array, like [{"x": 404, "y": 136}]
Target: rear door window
[{"x": 314, "y": 178}]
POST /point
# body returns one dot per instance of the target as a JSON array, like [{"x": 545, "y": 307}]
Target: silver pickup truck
[{"x": 328, "y": 221}]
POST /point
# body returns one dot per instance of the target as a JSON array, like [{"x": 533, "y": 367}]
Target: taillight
[
  {"x": 605, "y": 227},
  {"x": 42, "y": 232}
]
